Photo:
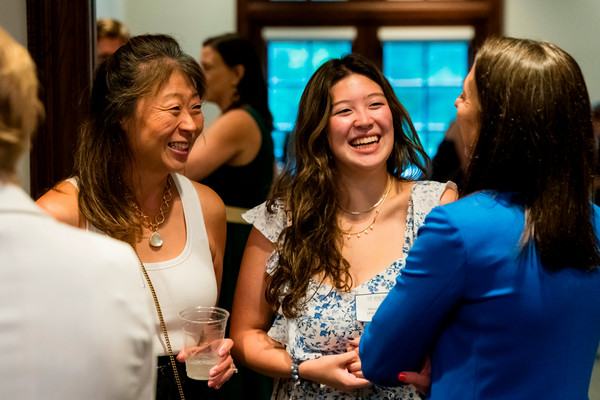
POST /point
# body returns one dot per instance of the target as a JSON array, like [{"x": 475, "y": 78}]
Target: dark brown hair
[
  {"x": 252, "y": 88},
  {"x": 308, "y": 185},
  {"x": 137, "y": 69},
  {"x": 537, "y": 141}
]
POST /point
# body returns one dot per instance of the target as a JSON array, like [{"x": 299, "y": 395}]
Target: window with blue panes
[
  {"x": 291, "y": 63},
  {"x": 427, "y": 77}
]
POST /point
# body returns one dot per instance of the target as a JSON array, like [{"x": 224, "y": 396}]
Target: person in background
[
  {"x": 110, "y": 35},
  {"x": 450, "y": 160},
  {"x": 75, "y": 321},
  {"x": 235, "y": 158},
  {"x": 501, "y": 287},
  {"x": 329, "y": 242},
  {"x": 144, "y": 118}
]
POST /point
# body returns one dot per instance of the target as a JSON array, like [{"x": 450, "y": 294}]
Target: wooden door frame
[{"x": 61, "y": 39}]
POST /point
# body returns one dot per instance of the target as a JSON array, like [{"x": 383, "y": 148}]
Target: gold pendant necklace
[
  {"x": 156, "y": 239},
  {"x": 368, "y": 210},
  {"x": 365, "y": 231},
  {"x": 369, "y": 227}
]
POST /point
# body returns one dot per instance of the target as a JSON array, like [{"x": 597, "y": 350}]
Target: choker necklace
[
  {"x": 369, "y": 228},
  {"x": 156, "y": 239},
  {"x": 368, "y": 210}
]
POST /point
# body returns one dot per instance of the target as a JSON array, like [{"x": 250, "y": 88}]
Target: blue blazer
[{"x": 496, "y": 324}]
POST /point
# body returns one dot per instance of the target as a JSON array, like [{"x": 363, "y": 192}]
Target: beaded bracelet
[{"x": 295, "y": 375}]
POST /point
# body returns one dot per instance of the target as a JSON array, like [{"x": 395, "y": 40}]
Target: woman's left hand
[
  {"x": 224, "y": 370},
  {"x": 355, "y": 367}
]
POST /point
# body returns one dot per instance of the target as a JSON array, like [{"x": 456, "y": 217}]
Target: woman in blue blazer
[{"x": 502, "y": 288}]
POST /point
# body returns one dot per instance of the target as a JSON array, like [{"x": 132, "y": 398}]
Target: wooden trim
[
  {"x": 60, "y": 38},
  {"x": 486, "y": 16},
  {"x": 380, "y": 13},
  {"x": 367, "y": 44}
]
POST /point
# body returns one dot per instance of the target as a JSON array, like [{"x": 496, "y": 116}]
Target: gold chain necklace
[
  {"x": 156, "y": 239},
  {"x": 369, "y": 227},
  {"x": 368, "y": 210},
  {"x": 163, "y": 326}
]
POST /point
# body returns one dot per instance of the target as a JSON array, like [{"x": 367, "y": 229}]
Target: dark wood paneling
[
  {"x": 367, "y": 44},
  {"x": 375, "y": 12},
  {"x": 368, "y": 15},
  {"x": 60, "y": 37}
]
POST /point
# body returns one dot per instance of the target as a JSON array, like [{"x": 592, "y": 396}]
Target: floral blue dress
[{"x": 322, "y": 329}]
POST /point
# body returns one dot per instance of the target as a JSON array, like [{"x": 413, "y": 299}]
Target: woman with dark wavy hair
[
  {"x": 501, "y": 288},
  {"x": 333, "y": 236},
  {"x": 144, "y": 118}
]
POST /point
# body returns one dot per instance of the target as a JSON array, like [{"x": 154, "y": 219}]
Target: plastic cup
[{"x": 203, "y": 334}]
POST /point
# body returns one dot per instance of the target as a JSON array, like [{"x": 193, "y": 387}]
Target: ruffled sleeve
[
  {"x": 270, "y": 224},
  {"x": 425, "y": 196}
]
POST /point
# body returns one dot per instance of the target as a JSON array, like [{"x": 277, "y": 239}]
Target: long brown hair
[
  {"x": 537, "y": 141},
  {"x": 137, "y": 69},
  {"x": 311, "y": 244}
]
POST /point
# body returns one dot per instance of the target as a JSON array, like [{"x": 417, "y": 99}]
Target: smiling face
[
  {"x": 360, "y": 131},
  {"x": 165, "y": 126},
  {"x": 468, "y": 111}
]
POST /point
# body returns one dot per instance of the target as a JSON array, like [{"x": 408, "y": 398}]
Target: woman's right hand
[
  {"x": 333, "y": 371},
  {"x": 421, "y": 380}
]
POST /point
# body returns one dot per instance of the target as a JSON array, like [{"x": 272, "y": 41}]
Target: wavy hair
[
  {"x": 138, "y": 69},
  {"x": 308, "y": 185},
  {"x": 252, "y": 88},
  {"x": 20, "y": 107},
  {"x": 537, "y": 141}
]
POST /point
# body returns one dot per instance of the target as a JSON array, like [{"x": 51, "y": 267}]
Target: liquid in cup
[{"x": 203, "y": 331}]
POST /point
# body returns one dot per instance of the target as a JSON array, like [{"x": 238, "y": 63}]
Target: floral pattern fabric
[{"x": 322, "y": 329}]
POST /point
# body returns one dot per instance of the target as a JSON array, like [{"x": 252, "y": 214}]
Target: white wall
[
  {"x": 189, "y": 21},
  {"x": 572, "y": 25}
]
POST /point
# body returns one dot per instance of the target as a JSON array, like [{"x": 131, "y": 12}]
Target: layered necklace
[
  {"x": 156, "y": 239},
  {"x": 379, "y": 204}
]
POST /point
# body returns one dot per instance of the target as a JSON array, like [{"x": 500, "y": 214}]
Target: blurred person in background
[{"x": 110, "y": 35}]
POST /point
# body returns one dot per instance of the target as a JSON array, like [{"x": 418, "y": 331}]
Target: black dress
[{"x": 243, "y": 187}]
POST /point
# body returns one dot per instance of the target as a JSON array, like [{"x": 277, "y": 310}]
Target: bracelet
[{"x": 295, "y": 375}]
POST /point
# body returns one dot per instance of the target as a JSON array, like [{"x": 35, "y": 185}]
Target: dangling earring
[{"x": 235, "y": 97}]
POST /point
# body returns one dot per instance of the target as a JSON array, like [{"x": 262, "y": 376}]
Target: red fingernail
[{"x": 402, "y": 377}]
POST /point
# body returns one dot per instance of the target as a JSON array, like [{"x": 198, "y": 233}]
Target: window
[
  {"x": 427, "y": 78},
  {"x": 426, "y": 68},
  {"x": 290, "y": 64}
]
